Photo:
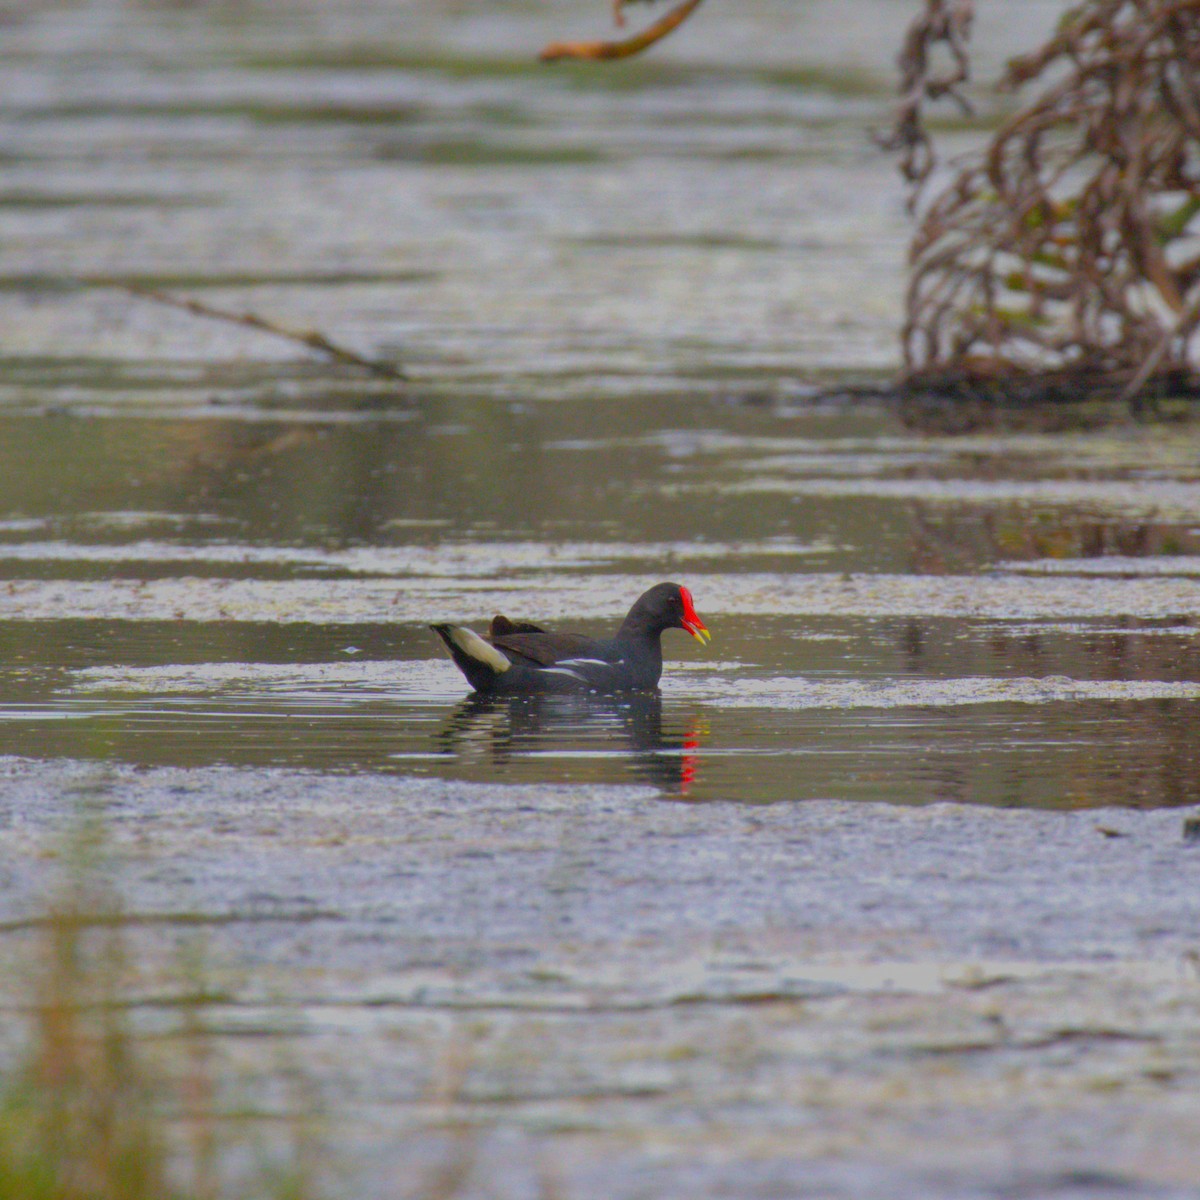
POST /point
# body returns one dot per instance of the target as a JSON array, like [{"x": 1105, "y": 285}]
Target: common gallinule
[{"x": 521, "y": 657}]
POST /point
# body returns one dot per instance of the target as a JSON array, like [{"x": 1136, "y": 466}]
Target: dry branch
[
  {"x": 1070, "y": 247},
  {"x": 628, "y": 46},
  {"x": 310, "y": 339},
  {"x": 1065, "y": 257},
  {"x": 941, "y": 21}
]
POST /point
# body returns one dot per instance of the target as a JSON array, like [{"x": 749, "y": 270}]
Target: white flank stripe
[{"x": 563, "y": 671}]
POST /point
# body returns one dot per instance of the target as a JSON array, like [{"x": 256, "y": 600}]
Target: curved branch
[{"x": 626, "y": 47}]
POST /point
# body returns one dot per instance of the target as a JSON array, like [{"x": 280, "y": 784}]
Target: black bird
[{"x": 519, "y": 656}]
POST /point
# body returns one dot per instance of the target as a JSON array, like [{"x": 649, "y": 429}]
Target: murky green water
[{"x": 999, "y": 618}]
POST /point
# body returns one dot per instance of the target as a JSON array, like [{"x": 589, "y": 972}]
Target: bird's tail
[{"x": 480, "y": 662}]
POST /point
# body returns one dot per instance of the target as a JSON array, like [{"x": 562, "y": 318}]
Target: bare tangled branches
[
  {"x": 942, "y": 21},
  {"x": 1066, "y": 255},
  {"x": 1069, "y": 251}
]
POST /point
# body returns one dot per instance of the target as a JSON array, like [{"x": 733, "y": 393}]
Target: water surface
[{"x": 1003, "y": 617}]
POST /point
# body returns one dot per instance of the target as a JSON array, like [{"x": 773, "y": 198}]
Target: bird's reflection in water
[{"x": 501, "y": 729}]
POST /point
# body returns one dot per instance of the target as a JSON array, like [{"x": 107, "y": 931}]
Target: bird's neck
[{"x": 643, "y": 652}]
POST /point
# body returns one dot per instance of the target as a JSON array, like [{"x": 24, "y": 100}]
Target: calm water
[{"x": 166, "y": 580}]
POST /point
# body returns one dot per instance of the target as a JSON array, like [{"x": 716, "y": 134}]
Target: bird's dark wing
[
  {"x": 545, "y": 649},
  {"x": 502, "y": 627}
]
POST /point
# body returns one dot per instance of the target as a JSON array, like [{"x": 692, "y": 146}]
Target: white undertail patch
[{"x": 473, "y": 646}]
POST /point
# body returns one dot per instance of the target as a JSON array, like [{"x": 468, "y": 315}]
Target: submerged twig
[
  {"x": 311, "y": 339},
  {"x": 625, "y": 47}
]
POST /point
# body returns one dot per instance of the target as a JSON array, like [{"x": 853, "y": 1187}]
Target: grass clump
[
  {"x": 79, "y": 1120},
  {"x": 86, "y": 1111}
]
